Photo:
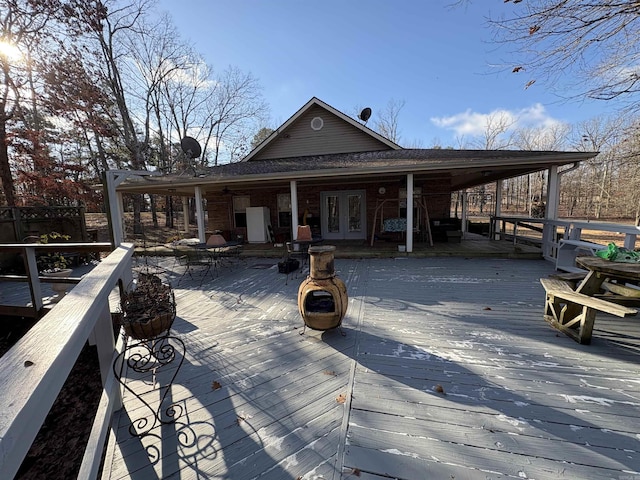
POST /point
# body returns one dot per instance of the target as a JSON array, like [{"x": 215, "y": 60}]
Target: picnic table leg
[
  {"x": 590, "y": 285},
  {"x": 574, "y": 320}
]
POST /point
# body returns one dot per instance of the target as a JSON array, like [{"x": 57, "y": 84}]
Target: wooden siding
[
  {"x": 336, "y": 136},
  {"x": 447, "y": 370}
]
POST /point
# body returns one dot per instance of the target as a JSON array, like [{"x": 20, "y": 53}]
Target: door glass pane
[
  {"x": 333, "y": 214},
  {"x": 355, "y": 219},
  {"x": 284, "y": 210}
]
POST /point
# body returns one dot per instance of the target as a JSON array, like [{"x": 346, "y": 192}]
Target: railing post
[
  {"x": 102, "y": 337},
  {"x": 35, "y": 289}
]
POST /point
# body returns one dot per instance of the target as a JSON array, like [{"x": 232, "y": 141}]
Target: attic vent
[{"x": 317, "y": 123}]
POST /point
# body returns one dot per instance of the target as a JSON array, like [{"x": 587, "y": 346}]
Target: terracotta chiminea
[{"x": 322, "y": 297}]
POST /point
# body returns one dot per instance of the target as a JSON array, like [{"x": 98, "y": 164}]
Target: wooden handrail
[
  {"x": 28, "y": 251},
  {"x": 34, "y": 370}
]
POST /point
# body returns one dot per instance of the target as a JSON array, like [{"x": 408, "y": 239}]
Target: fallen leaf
[
  {"x": 356, "y": 472},
  {"x": 487, "y": 308},
  {"x": 28, "y": 363},
  {"x": 216, "y": 385},
  {"x": 341, "y": 398},
  {"x": 330, "y": 372},
  {"x": 439, "y": 388}
]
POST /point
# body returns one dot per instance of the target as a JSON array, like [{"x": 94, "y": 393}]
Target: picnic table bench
[
  {"x": 574, "y": 313},
  {"x": 608, "y": 286}
]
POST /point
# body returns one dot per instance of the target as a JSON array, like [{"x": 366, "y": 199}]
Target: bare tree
[
  {"x": 22, "y": 24},
  {"x": 591, "y": 49},
  {"x": 495, "y": 135},
  {"x": 549, "y": 138},
  {"x": 237, "y": 109},
  {"x": 602, "y": 135},
  {"x": 387, "y": 121}
]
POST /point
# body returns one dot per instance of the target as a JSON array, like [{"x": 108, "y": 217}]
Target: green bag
[{"x": 619, "y": 254}]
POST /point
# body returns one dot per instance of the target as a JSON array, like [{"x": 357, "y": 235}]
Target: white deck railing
[
  {"x": 548, "y": 233},
  {"x": 33, "y": 372}
]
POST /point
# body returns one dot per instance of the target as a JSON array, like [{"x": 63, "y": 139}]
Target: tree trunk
[
  {"x": 168, "y": 218},
  {"x": 5, "y": 169},
  {"x": 154, "y": 211}
]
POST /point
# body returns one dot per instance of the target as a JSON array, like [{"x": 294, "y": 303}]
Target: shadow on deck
[{"x": 447, "y": 370}]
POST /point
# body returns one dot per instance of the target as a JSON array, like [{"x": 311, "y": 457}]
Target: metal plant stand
[
  {"x": 156, "y": 357},
  {"x": 151, "y": 354}
]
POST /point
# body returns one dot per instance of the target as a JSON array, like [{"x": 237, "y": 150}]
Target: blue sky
[{"x": 351, "y": 54}]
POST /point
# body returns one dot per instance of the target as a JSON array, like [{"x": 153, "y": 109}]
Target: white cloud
[{"x": 474, "y": 124}]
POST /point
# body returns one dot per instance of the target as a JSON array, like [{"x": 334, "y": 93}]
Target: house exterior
[{"x": 324, "y": 169}]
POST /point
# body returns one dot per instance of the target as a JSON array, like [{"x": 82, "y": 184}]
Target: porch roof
[{"x": 465, "y": 168}]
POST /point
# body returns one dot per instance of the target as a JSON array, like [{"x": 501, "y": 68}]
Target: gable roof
[
  {"x": 347, "y": 151},
  {"x": 380, "y": 142}
]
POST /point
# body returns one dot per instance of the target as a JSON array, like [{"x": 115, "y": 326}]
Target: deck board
[{"x": 518, "y": 399}]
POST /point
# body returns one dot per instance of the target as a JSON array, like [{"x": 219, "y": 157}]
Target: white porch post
[
  {"x": 294, "y": 209},
  {"x": 185, "y": 213},
  {"x": 409, "y": 212},
  {"x": 551, "y": 211},
  {"x": 553, "y": 193},
  {"x": 200, "y": 215},
  {"x": 497, "y": 210},
  {"x": 113, "y": 179},
  {"x": 463, "y": 221}
]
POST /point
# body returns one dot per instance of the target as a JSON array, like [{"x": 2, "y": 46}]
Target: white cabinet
[{"x": 258, "y": 223}]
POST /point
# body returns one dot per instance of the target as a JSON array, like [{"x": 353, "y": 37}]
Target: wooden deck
[{"x": 447, "y": 370}]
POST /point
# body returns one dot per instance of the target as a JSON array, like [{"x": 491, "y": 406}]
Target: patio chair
[
  {"x": 304, "y": 233},
  {"x": 197, "y": 258},
  {"x": 292, "y": 262}
]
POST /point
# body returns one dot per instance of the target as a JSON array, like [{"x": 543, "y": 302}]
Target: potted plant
[
  {"x": 54, "y": 264},
  {"x": 148, "y": 310}
]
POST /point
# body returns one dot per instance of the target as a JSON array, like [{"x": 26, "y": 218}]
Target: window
[
  {"x": 240, "y": 204},
  {"x": 284, "y": 210}
]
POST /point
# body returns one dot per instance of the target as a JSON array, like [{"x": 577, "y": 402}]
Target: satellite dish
[
  {"x": 365, "y": 114},
  {"x": 190, "y": 147}
]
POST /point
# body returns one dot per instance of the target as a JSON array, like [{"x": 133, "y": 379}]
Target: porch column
[
  {"x": 463, "y": 221},
  {"x": 294, "y": 209},
  {"x": 200, "y": 216},
  {"x": 409, "y": 212},
  {"x": 111, "y": 179},
  {"x": 114, "y": 199},
  {"x": 497, "y": 209},
  {"x": 553, "y": 194},
  {"x": 185, "y": 213},
  {"x": 551, "y": 211}
]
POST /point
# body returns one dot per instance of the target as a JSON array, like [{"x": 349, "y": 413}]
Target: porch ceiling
[{"x": 465, "y": 168}]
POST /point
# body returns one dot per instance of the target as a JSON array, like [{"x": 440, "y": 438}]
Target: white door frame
[{"x": 344, "y": 233}]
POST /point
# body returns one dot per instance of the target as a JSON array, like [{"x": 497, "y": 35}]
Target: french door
[{"x": 343, "y": 215}]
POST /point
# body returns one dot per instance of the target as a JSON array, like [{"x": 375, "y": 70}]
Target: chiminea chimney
[{"x": 322, "y": 297}]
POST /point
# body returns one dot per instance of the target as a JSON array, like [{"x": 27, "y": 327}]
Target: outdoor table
[{"x": 600, "y": 269}]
